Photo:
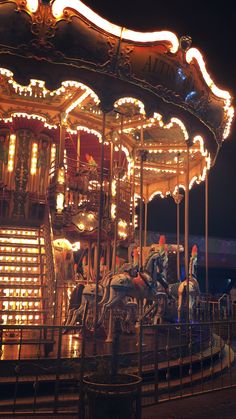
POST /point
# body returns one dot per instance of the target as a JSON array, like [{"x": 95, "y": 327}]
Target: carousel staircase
[{"x": 22, "y": 276}]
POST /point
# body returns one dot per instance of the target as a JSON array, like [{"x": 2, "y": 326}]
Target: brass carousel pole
[
  {"x": 141, "y": 213},
  {"x": 110, "y": 199},
  {"x": 206, "y": 235},
  {"x": 78, "y": 152},
  {"x": 89, "y": 263},
  {"x": 117, "y": 199},
  {"x": 62, "y": 140},
  {"x": 178, "y": 229},
  {"x": 109, "y": 338},
  {"x": 145, "y": 222},
  {"x": 133, "y": 197},
  {"x": 99, "y": 237},
  {"x": 178, "y": 198},
  {"x": 186, "y": 227},
  {"x": 111, "y": 175},
  {"x": 143, "y": 155}
]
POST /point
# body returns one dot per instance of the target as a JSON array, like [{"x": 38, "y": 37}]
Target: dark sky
[{"x": 212, "y": 26}]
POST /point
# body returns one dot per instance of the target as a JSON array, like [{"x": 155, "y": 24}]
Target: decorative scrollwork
[
  {"x": 43, "y": 24},
  {"x": 21, "y": 174}
]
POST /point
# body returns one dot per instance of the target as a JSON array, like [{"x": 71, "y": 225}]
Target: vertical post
[
  {"x": 141, "y": 215},
  {"x": 111, "y": 177},
  {"x": 145, "y": 222},
  {"x": 141, "y": 136},
  {"x": 78, "y": 152},
  {"x": 143, "y": 155},
  {"x": 99, "y": 236},
  {"x": 108, "y": 256},
  {"x": 141, "y": 203},
  {"x": 82, "y": 356},
  {"x": 206, "y": 235},
  {"x": 95, "y": 258},
  {"x": 133, "y": 194},
  {"x": 178, "y": 198},
  {"x": 62, "y": 140},
  {"x": 186, "y": 226},
  {"x": 89, "y": 263},
  {"x": 177, "y": 213},
  {"x": 178, "y": 234},
  {"x": 117, "y": 199}
]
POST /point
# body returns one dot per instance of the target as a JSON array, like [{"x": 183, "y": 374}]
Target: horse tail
[
  {"x": 106, "y": 286},
  {"x": 76, "y": 297},
  {"x": 174, "y": 289}
]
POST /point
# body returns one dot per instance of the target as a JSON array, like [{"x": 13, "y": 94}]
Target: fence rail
[{"x": 42, "y": 367}]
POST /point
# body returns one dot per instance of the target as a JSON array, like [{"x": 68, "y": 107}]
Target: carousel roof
[{"x": 59, "y": 61}]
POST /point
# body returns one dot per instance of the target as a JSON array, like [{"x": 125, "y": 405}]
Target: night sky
[{"x": 212, "y": 26}]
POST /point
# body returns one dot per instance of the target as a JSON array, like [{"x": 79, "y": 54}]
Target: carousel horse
[
  {"x": 149, "y": 284},
  {"x": 181, "y": 289},
  {"x": 77, "y": 305}
]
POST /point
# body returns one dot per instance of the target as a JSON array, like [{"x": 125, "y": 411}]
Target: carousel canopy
[{"x": 61, "y": 63}]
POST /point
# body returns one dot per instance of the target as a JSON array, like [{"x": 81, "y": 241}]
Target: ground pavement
[{"x": 217, "y": 405}]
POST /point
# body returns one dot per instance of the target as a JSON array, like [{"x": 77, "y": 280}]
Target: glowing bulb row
[
  {"x": 18, "y": 269},
  {"x": 19, "y": 318},
  {"x": 26, "y": 250},
  {"x": 33, "y": 165},
  {"x": 15, "y": 280},
  {"x": 11, "y": 152},
  {"x": 18, "y": 259},
  {"x": 17, "y": 240},
  {"x": 19, "y": 232}
]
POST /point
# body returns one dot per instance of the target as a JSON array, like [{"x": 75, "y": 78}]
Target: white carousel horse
[{"x": 194, "y": 291}]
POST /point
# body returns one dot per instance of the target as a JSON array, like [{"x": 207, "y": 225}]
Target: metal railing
[
  {"x": 42, "y": 367},
  {"x": 219, "y": 307},
  {"x": 182, "y": 360},
  {"x": 51, "y": 278}
]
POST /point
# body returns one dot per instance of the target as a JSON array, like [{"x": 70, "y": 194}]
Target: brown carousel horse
[{"x": 149, "y": 284}]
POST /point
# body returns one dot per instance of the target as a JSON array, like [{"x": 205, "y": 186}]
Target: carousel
[{"x": 95, "y": 121}]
